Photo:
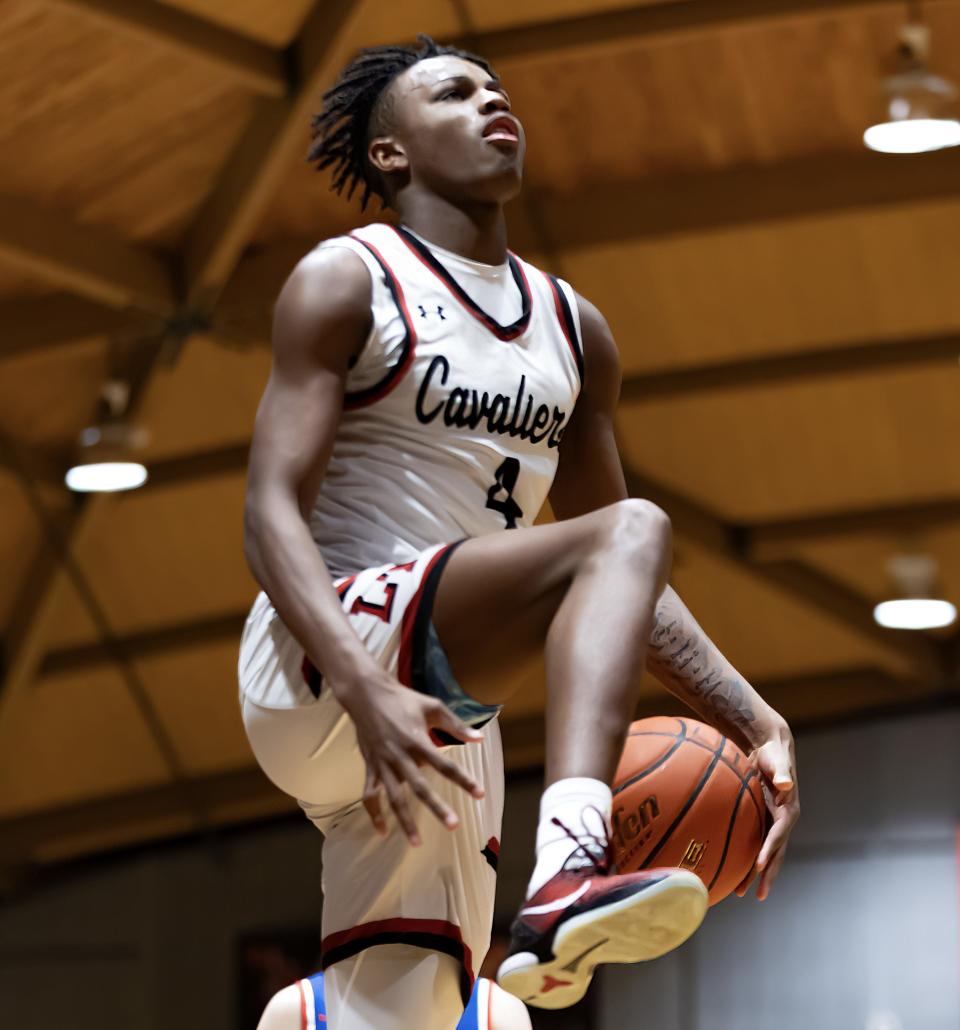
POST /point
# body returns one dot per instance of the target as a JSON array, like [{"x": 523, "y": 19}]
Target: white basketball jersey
[{"x": 451, "y": 421}]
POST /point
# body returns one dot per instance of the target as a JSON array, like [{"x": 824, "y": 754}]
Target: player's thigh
[
  {"x": 394, "y": 987},
  {"x": 499, "y": 593}
]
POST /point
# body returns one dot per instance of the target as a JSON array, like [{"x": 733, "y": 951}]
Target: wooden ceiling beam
[
  {"x": 250, "y": 65},
  {"x": 252, "y": 173},
  {"x": 130, "y": 812},
  {"x": 84, "y": 261},
  {"x": 802, "y": 582},
  {"x": 683, "y": 204},
  {"x": 165, "y": 640},
  {"x": 26, "y": 643},
  {"x": 775, "y": 537},
  {"x": 701, "y": 202},
  {"x": 558, "y": 37},
  {"x": 35, "y": 324},
  {"x": 793, "y": 366},
  {"x": 759, "y": 547}
]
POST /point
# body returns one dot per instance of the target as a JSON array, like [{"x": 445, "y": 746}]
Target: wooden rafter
[
  {"x": 246, "y": 62},
  {"x": 693, "y": 202},
  {"x": 84, "y": 261},
  {"x": 560, "y": 36},
  {"x": 48, "y": 323},
  {"x": 217, "y": 629},
  {"x": 777, "y": 536},
  {"x": 927, "y": 656},
  {"x": 253, "y": 171},
  {"x": 236, "y": 791},
  {"x": 856, "y": 358},
  {"x": 49, "y": 574}
]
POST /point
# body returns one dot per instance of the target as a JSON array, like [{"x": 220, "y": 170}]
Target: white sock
[{"x": 583, "y": 806}]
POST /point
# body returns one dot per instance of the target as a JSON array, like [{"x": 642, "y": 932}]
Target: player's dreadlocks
[{"x": 354, "y": 112}]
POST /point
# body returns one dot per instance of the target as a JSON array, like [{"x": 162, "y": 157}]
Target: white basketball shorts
[{"x": 378, "y": 890}]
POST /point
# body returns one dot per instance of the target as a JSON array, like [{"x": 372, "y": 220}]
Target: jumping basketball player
[
  {"x": 302, "y": 1006},
  {"x": 421, "y": 400}
]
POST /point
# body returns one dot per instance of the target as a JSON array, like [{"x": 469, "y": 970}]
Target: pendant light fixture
[
  {"x": 104, "y": 461},
  {"x": 915, "y": 604},
  {"x": 921, "y": 110}
]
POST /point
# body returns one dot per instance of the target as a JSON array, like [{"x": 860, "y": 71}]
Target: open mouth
[{"x": 502, "y": 129}]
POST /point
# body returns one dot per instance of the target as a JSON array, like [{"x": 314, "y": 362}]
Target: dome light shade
[
  {"x": 915, "y": 613},
  {"x": 106, "y": 476},
  {"x": 913, "y": 135},
  {"x": 920, "y": 112}
]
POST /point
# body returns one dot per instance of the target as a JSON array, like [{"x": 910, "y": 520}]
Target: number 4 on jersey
[{"x": 506, "y": 480}]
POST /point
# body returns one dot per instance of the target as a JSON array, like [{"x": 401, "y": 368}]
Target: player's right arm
[{"x": 321, "y": 320}]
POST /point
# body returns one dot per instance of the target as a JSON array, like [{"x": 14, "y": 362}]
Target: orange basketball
[{"x": 685, "y": 795}]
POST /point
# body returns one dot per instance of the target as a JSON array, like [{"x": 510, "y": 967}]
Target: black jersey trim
[
  {"x": 371, "y": 394},
  {"x": 567, "y": 323},
  {"x": 430, "y": 934},
  {"x": 503, "y": 332},
  {"x": 311, "y": 674}
]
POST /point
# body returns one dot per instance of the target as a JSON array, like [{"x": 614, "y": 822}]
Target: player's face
[{"x": 454, "y": 128}]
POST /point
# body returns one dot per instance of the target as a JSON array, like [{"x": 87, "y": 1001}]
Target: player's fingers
[
  {"x": 744, "y": 885},
  {"x": 371, "y": 802},
  {"x": 421, "y": 788},
  {"x": 440, "y": 717},
  {"x": 777, "y": 765},
  {"x": 770, "y": 874},
  {"x": 783, "y": 819},
  {"x": 452, "y": 771},
  {"x": 773, "y": 842},
  {"x": 400, "y": 804}
]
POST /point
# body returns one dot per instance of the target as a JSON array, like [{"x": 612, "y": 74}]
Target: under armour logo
[
  {"x": 424, "y": 312},
  {"x": 550, "y": 982}
]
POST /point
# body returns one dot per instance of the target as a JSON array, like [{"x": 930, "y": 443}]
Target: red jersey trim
[
  {"x": 430, "y": 934},
  {"x": 503, "y": 332},
  {"x": 567, "y": 324},
  {"x": 372, "y": 394}
]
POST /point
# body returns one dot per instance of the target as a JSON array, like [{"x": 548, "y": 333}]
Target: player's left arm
[{"x": 680, "y": 654}]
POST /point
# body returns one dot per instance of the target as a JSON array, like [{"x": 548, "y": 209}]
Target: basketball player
[
  {"x": 302, "y": 1006},
  {"x": 422, "y": 400}
]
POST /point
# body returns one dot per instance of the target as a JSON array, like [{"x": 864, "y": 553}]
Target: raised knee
[{"x": 636, "y": 524}]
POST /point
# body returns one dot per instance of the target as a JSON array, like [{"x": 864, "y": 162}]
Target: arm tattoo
[{"x": 680, "y": 655}]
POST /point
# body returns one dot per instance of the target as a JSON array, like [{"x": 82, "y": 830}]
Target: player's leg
[
  {"x": 394, "y": 987},
  {"x": 583, "y": 593},
  {"x": 436, "y": 899}
]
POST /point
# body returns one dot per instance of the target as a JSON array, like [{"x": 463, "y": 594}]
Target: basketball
[{"x": 685, "y": 795}]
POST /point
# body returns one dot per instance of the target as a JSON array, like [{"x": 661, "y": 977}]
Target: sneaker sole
[{"x": 636, "y": 929}]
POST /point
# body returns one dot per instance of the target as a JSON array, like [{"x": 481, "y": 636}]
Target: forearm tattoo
[{"x": 683, "y": 657}]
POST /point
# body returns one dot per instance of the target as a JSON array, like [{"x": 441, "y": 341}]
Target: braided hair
[{"x": 356, "y": 109}]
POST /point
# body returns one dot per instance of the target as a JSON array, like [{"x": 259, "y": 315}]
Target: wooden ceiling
[{"x": 786, "y": 305}]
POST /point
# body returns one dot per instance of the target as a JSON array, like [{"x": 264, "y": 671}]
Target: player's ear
[{"x": 387, "y": 155}]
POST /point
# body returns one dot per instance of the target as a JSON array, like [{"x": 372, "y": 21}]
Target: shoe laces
[{"x": 598, "y": 850}]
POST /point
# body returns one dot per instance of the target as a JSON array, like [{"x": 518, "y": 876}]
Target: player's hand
[
  {"x": 393, "y": 729},
  {"x": 776, "y": 758}
]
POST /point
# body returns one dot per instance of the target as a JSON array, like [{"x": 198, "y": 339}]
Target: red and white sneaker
[{"x": 583, "y": 917}]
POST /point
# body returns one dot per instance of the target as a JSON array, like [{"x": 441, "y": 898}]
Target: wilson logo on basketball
[
  {"x": 693, "y": 854},
  {"x": 633, "y": 827}
]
